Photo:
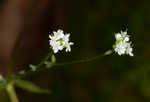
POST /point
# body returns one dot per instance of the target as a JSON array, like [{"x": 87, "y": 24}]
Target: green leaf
[
  {"x": 29, "y": 86},
  {"x": 53, "y": 58}
]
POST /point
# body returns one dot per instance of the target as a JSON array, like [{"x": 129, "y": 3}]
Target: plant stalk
[{"x": 11, "y": 93}]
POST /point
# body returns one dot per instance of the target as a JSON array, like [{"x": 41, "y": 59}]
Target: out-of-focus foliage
[{"x": 92, "y": 24}]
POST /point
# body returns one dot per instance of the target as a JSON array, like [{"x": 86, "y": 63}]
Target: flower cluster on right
[{"x": 123, "y": 45}]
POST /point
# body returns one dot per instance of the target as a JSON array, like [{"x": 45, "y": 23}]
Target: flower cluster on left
[{"x": 58, "y": 41}]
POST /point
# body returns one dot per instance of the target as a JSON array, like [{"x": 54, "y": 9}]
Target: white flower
[
  {"x": 122, "y": 45},
  {"x": 120, "y": 48},
  {"x": 59, "y": 41},
  {"x": 129, "y": 50}
]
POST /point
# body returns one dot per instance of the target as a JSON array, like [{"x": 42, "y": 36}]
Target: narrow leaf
[{"x": 29, "y": 86}]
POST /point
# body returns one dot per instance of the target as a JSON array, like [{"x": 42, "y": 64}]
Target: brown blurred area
[{"x": 25, "y": 24}]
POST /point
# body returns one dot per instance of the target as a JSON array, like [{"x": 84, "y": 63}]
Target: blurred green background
[{"x": 92, "y": 24}]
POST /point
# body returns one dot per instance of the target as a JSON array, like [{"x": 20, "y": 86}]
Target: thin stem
[
  {"x": 79, "y": 61},
  {"x": 11, "y": 93},
  {"x": 85, "y": 60},
  {"x": 29, "y": 72},
  {"x": 45, "y": 59}
]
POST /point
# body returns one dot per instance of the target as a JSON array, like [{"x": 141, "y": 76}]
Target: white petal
[
  {"x": 126, "y": 39},
  {"x": 118, "y": 36},
  {"x": 71, "y": 43}
]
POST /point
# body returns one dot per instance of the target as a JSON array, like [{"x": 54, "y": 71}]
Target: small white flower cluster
[
  {"x": 59, "y": 41},
  {"x": 122, "y": 45}
]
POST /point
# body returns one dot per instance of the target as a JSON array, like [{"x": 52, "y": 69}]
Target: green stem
[
  {"x": 11, "y": 93},
  {"x": 80, "y": 61},
  {"x": 29, "y": 72},
  {"x": 45, "y": 59}
]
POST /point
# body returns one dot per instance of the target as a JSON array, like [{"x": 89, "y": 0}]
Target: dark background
[{"x": 24, "y": 29}]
